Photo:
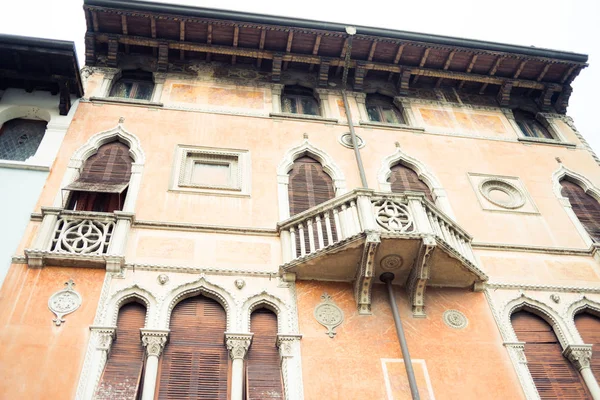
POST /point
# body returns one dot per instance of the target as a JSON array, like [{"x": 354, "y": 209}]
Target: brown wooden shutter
[
  {"x": 403, "y": 179},
  {"x": 554, "y": 376},
  {"x": 123, "y": 372},
  {"x": 195, "y": 362},
  {"x": 308, "y": 187},
  {"x": 263, "y": 371},
  {"x": 584, "y": 206},
  {"x": 588, "y": 326}
]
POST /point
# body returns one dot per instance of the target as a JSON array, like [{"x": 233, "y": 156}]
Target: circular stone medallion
[
  {"x": 455, "y": 319},
  {"x": 346, "y": 141},
  {"x": 391, "y": 262},
  {"x": 502, "y": 193}
]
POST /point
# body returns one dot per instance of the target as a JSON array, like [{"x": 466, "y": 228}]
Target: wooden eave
[{"x": 190, "y": 37}]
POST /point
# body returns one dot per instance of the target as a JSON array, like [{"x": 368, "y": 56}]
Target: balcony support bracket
[
  {"x": 364, "y": 273},
  {"x": 419, "y": 275}
]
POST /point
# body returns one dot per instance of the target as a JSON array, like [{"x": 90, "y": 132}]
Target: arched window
[
  {"x": 585, "y": 207},
  {"x": 404, "y": 179},
  {"x": 133, "y": 85},
  {"x": 588, "y": 326},
  {"x": 195, "y": 362},
  {"x": 123, "y": 372},
  {"x": 103, "y": 180},
  {"x": 20, "y": 138},
  {"x": 381, "y": 108},
  {"x": 299, "y": 100},
  {"x": 263, "y": 371},
  {"x": 530, "y": 126},
  {"x": 552, "y": 373}
]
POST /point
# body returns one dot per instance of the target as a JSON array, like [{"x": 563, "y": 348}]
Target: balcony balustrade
[
  {"x": 79, "y": 238},
  {"x": 358, "y": 236}
]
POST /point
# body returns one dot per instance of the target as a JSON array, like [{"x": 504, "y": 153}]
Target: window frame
[
  {"x": 136, "y": 83},
  {"x": 295, "y": 93},
  {"x": 380, "y": 105}
]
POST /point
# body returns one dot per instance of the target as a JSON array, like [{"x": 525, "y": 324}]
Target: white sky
[{"x": 562, "y": 25}]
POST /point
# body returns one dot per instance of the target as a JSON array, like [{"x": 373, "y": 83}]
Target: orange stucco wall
[
  {"x": 40, "y": 360},
  {"x": 469, "y": 363}
]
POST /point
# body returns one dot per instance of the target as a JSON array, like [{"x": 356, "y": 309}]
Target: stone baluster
[
  {"x": 237, "y": 344},
  {"x": 154, "y": 340}
]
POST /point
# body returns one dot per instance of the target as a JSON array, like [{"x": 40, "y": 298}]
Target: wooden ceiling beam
[
  {"x": 236, "y": 34},
  {"x": 397, "y": 58},
  {"x": 113, "y": 49},
  {"x": 261, "y": 45},
  {"x": 446, "y": 66},
  {"x": 567, "y": 74},
  {"x": 276, "y": 71},
  {"x": 95, "y": 21},
  {"x": 422, "y": 63},
  {"x": 372, "y": 51},
  {"x": 153, "y": 27},
  {"x": 504, "y": 93},
  {"x": 519, "y": 69},
  {"x": 469, "y": 68},
  {"x": 209, "y": 31},
  {"x": 315, "y": 50},
  {"x": 288, "y": 47},
  {"x": 125, "y": 30},
  {"x": 492, "y": 72},
  {"x": 182, "y": 38},
  {"x": 342, "y": 55},
  {"x": 324, "y": 72},
  {"x": 404, "y": 81},
  {"x": 360, "y": 71},
  {"x": 543, "y": 73}
]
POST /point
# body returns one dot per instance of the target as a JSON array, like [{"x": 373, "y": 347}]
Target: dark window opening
[
  {"x": 585, "y": 207},
  {"x": 299, "y": 100},
  {"x": 136, "y": 85},
  {"x": 20, "y": 138},
  {"x": 530, "y": 126},
  {"x": 382, "y": 109}
]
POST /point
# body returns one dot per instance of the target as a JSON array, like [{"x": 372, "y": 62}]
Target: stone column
[
  {"x": 103, "y": 337},
  {"x": 580, "y": 356},
  {"x": 276, "y": 98},
  {"x": 154, "y": 341},
  {"x": 109, "y": 76},
  {"x": 116, "y": 250},
  {"x": 362, "y": 106},
  {"x": 290, "y": 365},
  {"x": 405, "y": 108},
  {"x": 159, "y": 83},
  {"x": 323, "y": 96},
  {"x": 237, "y": 344}
]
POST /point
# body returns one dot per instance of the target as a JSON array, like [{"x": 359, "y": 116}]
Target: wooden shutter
[
  {"x": 195, "y": 362},
  {"x": 263, "y": 371},
  {"x": 308, "y": 187},
  {"x": 554, "y": 376},
  {"x": 123, "y": 372},
  {"x": 584, "y": 206},
  {"x": 588, "y": 326},
  {"x": 403, "y": 178}
]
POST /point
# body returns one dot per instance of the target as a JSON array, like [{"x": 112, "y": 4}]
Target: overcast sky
[{"x": 562, "y": 25}]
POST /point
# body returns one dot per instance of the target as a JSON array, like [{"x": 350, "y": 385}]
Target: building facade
[{"x": 233, "y": 187}]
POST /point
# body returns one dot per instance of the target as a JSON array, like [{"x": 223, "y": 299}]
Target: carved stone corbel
[
  {"x": 418, "y": 277},
  {"x": 238, "y": 344},
  {"x": 364, "y": 273},
  {"x": 580, "y": 355},
  {"x": 517, "y": 349},
  {"x": 154, "y": 340},
  {"x": 285, "y": 345},
  {"x": 105, "y": 335}
]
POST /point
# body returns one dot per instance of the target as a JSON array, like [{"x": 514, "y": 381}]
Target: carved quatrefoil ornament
[
  {"x": 328, "y": 314},
  {"x": 64, "y": 302}
]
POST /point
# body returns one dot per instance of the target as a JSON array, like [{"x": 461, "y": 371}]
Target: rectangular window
[{"x": 212, "y": 171}]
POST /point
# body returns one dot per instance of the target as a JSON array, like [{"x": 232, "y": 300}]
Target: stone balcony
[
  {"x": 80, "y": 238},
  {"x": 358, "y": 236}
]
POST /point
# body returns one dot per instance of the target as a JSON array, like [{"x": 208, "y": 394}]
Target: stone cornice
[
  {"x": 545, "y": 288},
  {"x": 182, "y": 226},
  {"x": 533, "y": 249}
]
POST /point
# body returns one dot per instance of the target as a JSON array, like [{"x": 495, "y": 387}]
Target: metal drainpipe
[
  {"x": 387, "y": 278},
  {"x": 363, "y": 178}
]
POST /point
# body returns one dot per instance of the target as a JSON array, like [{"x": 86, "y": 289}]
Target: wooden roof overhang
[
  {"x": 178, "y": 35},
  {"x": 40, "y": 64}
]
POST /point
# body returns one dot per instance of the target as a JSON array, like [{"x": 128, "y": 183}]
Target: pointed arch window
[
  {"x": 585, "y": 207},
  {"x": 299, "y": 100},
  {"x": 103, "y": 181},
  {"x": 122, "y": 376},
  {"x": 136, "y": 85},
  {"x": 530, "y": 126},
  {"x": 195, "y": 362},
  {"x": 381, "y": 108},
  {"x": 554, "y": 376},
  {"x": 263, "y": 370},
  {"x": 402, "y": 179},
  {"x": 588, "y": 326}
]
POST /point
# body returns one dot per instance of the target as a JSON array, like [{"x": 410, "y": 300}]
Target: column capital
[
  {"x": 154, "y": 340},
  {"x": 580, "y": 355},
  {"x": 284, "y": 343},
  {"x": 238, "y": 344},
  {"x": 105, "y": 336}
]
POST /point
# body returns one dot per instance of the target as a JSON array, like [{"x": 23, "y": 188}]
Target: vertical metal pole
[{"x": 387, "y": 278}]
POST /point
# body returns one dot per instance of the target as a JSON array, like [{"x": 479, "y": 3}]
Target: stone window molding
[
  {"x": 547, "y": 121},
  {"x": 112, "y": 75},
  {"x": 403, "y": 104},
  {"x": 285, "y": 166},
  {"x": 586, "y": 185},
  {"x": 561, "y": 318},
  {"x": 423, "y": 172},
  {"x": 236, "y": 161},
  {"x": 160, "y": 300}
]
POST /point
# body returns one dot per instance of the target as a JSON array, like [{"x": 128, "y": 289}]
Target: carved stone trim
[
  {"x": 580, "y": 355},
  {"x": 285, "y": 342},
  {"x": 238, "y": 344},
  {"x": 328, "y": 314},
  {"x": 418, "y": 277},
  {"x": 516, "y": 197},
  {"x": 154, "y": 340},
  {"x": 364, "y": 274},
  {"x": 64, "y": 302},
  {"x": 518, "y": 349},
  {"x": 105, "y": 336},
  {"x": 455, "y": 319}
]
